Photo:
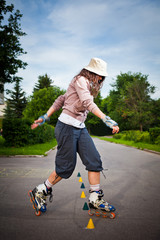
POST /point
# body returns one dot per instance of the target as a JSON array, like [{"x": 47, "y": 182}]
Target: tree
[
  {"x": 41, "y": 101},
  {"x": 136, "y": 102},
  {"x": 155, "y": 111},
  {"x": 129, "y": 101},
  {"x": 8, "y": 112},
  {"x": 10, "y": 47},
  {"x": 17, "y": 101},
  {"x": 44, "y": 81}
]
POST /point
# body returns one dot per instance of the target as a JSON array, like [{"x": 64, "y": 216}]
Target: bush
[
  {"x": 154, "y": 133},
  {"x": 43, "y": 134},
  {"x": 99, "y": 129},
  {"x": 157, "y": 141},
  {"x": 18, "y": 132},
  {"x": 118, "y": 136},
  {"x": 1, "y": 122},
  {"x": 134, "y": 135}
]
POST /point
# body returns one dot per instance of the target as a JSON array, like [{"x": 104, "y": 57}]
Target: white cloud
[
  {"x": 64, "y": 35},
  {"x": 78, "y": 20}
]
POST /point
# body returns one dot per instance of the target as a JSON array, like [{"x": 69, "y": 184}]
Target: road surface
[{"x": 132, "y": 185}]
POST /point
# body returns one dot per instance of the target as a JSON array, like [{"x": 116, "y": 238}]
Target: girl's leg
[
  {"x": 94, "y": 178},
  {"x": 53, "y": 179},
  {"x": 95, "y": 198}
]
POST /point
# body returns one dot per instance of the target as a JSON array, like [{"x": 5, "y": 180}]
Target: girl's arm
[
  {"x": 59, "y": 102},
  {"x": 87, "y": 101},
  {"x": 97, "y": 112},
  {"x": 40, "y": 120}
]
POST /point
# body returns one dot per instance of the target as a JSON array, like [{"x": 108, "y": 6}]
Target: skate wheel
[
  {"x": 29, "y": 193},
  {"x": 38, "y": 213},
  {"x": 112, "y": 215},
  {"x": 89, "y": 212},
  {"x": 43, "y": 208},
  {"x": 104, "y": 214},
  {"x": 97, "y": 214}
]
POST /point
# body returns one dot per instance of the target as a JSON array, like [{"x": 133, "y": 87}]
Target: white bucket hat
[{"x": 97, "y": 66}]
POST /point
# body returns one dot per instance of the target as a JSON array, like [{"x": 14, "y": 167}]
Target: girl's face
[{"x": 101, "y": 79}]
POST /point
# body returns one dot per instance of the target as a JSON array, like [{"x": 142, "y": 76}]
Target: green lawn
[
  {"x": 37, "y": 149},
  {"x": 139, "y": 145},
  {"x": 41, "y": 149}
]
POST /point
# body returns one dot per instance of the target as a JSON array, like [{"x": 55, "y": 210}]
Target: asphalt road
[{"x": 132, "y": 185}]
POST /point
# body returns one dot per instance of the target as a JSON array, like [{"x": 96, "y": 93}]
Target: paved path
[{"x": 132, "y": 184}]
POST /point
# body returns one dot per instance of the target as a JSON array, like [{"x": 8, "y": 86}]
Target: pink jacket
[{"x": 77, "y": 101}]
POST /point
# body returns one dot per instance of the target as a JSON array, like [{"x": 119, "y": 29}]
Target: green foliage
[
  {"x": 42, "y": 134},
  {"x": 41, "y": 101},
  {"x": 155, "y": 110},
  {"x": 1, "y": 123},
  {"x": 15, "y": 132},
  {"x": 133, "y": 135},
  {"x": 154, "y": 134},
  {"x": 118, "y": 136},
  {"x": 17, "y": 101},
  {"x": 129, "y": 103},
  {"x": 95, "y": 125},
  {"x": 157, "y": 141},
  {"x": 100, "y": 129},
  {"x": 10, "y": 47},
  {"x": 43, "y": 82},
  {"x": 139, "y": 145},
  {"x": 36, "y": 149},
  {"x": 18, "y": 132}
]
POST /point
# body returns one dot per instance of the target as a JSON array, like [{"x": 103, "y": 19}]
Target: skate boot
[
  {"x": 39, "y": 197},
  {"x": 98, "y": 206}
]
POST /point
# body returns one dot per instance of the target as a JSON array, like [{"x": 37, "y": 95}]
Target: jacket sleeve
[
  {"x": 59, "y": 102},
  {"x": 82, "y": 89}
]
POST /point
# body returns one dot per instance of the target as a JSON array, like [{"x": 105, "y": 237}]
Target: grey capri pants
[{"x": 71, "y": 141}]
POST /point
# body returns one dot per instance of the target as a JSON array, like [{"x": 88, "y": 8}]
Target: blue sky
[{"x": 63, "y": 35}]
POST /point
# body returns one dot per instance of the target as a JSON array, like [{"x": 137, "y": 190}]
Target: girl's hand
[
  {"x": 115, "y": 129},
  {"x": 36, "y": 123}
]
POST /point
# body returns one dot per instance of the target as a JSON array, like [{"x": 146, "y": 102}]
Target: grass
[
  {"x": 37, "y": 149},
  {"x": 41, "y": 149},
  {"x": 139, "y": 145}
]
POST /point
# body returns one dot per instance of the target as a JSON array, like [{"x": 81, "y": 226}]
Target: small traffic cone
[
  {"x": 78, "y": 175},
  {"x": 83, "y": 195},
  {"x": 85, "y": 207},
  {"x": 82, "y": 186},
  {"x": 90, "y": 224},
  {"x": 80, "y": 179}
]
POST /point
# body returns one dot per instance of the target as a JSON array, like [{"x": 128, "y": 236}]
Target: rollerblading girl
[{"x": 72, "y": 135}]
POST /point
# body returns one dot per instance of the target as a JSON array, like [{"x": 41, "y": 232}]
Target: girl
[{"x": 72, "y": 135}]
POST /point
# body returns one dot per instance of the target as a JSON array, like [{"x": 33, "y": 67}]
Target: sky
[{"x": 63, "y": 35}]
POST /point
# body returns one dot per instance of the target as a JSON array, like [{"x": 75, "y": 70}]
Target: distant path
[{"x": 132, "y": 184}]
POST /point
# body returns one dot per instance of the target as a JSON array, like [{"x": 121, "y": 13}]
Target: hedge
[
  {"x": 134, "y": 135},
  {"x": 18, "y": 132},
  {"x": 100, "y": 129},
  {"x": 154, "y": 134},
  {"x": 1, "y": 122}
]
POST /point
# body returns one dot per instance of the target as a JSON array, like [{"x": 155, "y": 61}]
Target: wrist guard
[
  {"x": 109, "y": 122},
  {"x": 44, "y": 118}
]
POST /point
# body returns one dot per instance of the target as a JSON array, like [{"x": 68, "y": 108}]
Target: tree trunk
[{"x": 141, "y": 127}]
